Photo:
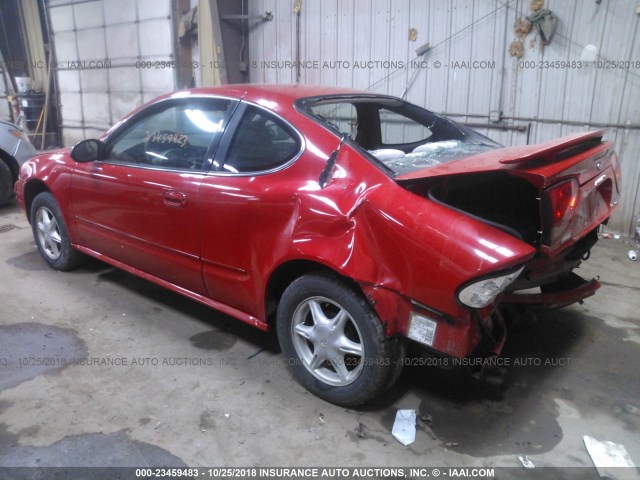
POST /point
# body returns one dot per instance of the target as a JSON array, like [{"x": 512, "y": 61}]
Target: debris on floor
[
  {"x": 321, "y": 418},
  {"x": 526, "y": 462},
  {"x": 257, "y": 352},
  {"x": 633, "y": 255},
  {"x": 607, "y": 456},
  {"x": 404, "y": 428},
  {"x": 449, "y": 444},
  {"x": 360, "y": 430},
  {"x": 632, "y": 409},
  {"x": 426, "y": 418}
]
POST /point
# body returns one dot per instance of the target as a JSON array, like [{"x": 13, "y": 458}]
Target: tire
[
  {"x": 51, "y": 234},
  {"x": 6, "y": 183},
  {"x": 334, "y": 342}
]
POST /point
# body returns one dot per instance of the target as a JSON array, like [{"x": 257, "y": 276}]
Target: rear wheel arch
[{"x": 288, "y": 272}]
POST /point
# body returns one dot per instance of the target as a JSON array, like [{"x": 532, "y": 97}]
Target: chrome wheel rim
[
  {"x": 48, "y": 233},
  {"x": 328, "y": 341}
]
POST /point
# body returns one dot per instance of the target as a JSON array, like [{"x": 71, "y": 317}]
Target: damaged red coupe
[{"x": 355, "y": 224}]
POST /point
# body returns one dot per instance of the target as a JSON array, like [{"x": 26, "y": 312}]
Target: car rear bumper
[
  {"x": 481, "y": 332},
  {"x": 557, "y": 299}
]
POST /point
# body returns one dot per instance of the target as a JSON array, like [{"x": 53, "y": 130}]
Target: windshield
[{"x": 403, "y": 137}]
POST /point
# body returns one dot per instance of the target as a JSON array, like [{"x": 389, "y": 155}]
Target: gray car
[{"x": 15, "y": 149}]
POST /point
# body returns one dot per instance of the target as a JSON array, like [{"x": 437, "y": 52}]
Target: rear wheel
[
  {"x": 51, "y": 234},
  {"x": 334, "y": 342}
]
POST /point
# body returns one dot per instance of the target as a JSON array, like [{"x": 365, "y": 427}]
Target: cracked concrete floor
[{"x": 101, "y": 368}]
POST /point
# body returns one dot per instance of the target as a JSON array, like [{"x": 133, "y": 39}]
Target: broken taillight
[
  {"x": 482, "y": 292},
  {"x": 558, "y": 207}
]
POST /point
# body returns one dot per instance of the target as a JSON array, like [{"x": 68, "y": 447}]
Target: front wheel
[
  {"x": 51, "y": 234},
  {"x": 334, "y": 342}
]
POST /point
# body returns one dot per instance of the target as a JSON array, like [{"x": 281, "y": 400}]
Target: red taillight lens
[
  {"x": 558, "y": 206},
  {"x": 562, "y": 198}
]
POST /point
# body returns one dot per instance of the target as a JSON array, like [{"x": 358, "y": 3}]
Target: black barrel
[{"x": 31, "y": 105}]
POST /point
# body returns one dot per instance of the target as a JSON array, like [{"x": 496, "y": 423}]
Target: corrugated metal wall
[
  {"x": 99, "y": 48},
  {"x": 366, "y": 45}
]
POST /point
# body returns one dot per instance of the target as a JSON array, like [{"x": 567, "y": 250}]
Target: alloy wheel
[
  {"x": 328, "y": 341},
  {"x": 48, "y": 233}
]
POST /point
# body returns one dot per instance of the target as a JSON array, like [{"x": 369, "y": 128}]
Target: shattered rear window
[
  {"x": 401, "y": 136},
  {"x": 428, "y": 155}
]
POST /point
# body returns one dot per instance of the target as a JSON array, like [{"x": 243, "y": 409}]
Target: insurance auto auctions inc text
[{"x": 351, "y": 472}]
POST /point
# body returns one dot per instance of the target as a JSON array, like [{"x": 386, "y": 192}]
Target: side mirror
[{"x": 87, "y": 151}]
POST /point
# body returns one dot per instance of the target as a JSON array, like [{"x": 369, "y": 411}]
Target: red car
[{"x": 353, "y": 223}]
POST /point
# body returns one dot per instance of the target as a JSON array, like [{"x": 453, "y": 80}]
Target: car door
[
  {"x": 139, "y": 205},
  {"x": 246, "y": 203}
]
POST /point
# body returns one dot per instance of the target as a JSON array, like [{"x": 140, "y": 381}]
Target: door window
[{"x": 176, "y": 137}]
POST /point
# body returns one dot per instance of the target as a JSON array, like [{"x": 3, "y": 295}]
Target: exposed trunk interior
[{"x": 506, "y": 202}]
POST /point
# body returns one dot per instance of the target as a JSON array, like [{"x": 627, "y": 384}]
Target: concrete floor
[{"x": 226, "y": 398}]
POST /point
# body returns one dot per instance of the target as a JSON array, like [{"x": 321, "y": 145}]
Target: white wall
[
  {"x": 556, "y": 101},
  {"x": 117, "y": 34}
]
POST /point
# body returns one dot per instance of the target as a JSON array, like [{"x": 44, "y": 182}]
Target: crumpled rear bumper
[{"x": 556, "y": 299}]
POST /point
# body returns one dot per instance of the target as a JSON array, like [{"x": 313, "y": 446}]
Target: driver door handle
[{"x": 175, "y": 199}]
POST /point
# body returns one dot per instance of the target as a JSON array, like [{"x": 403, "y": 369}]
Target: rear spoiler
[{"x": 561, "y": 148}]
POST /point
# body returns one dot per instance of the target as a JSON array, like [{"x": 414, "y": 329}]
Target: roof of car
[
  {"x": 275, "y": 97},
  {"x": 288, "y": 92},
  {"x": 269, "y": 95}
]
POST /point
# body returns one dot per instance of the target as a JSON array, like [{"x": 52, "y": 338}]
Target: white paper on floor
[
  {"x": 609, "y": 457},
  {"x": 526, "y": 461},
  {"x": 404, "y": 428}
]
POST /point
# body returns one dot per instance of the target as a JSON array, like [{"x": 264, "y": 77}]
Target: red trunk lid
[{"x": 583, "y": 157}]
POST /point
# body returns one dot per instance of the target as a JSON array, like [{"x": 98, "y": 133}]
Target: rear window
[{"x": 403, "y": 137}]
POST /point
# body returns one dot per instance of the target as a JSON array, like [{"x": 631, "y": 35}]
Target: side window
[
  {"x": 176, "y": 137},
  {"x": 397, "y": 129},
  {"x": 262, "y": 142},
  {"x": 341, "y": 116}
]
